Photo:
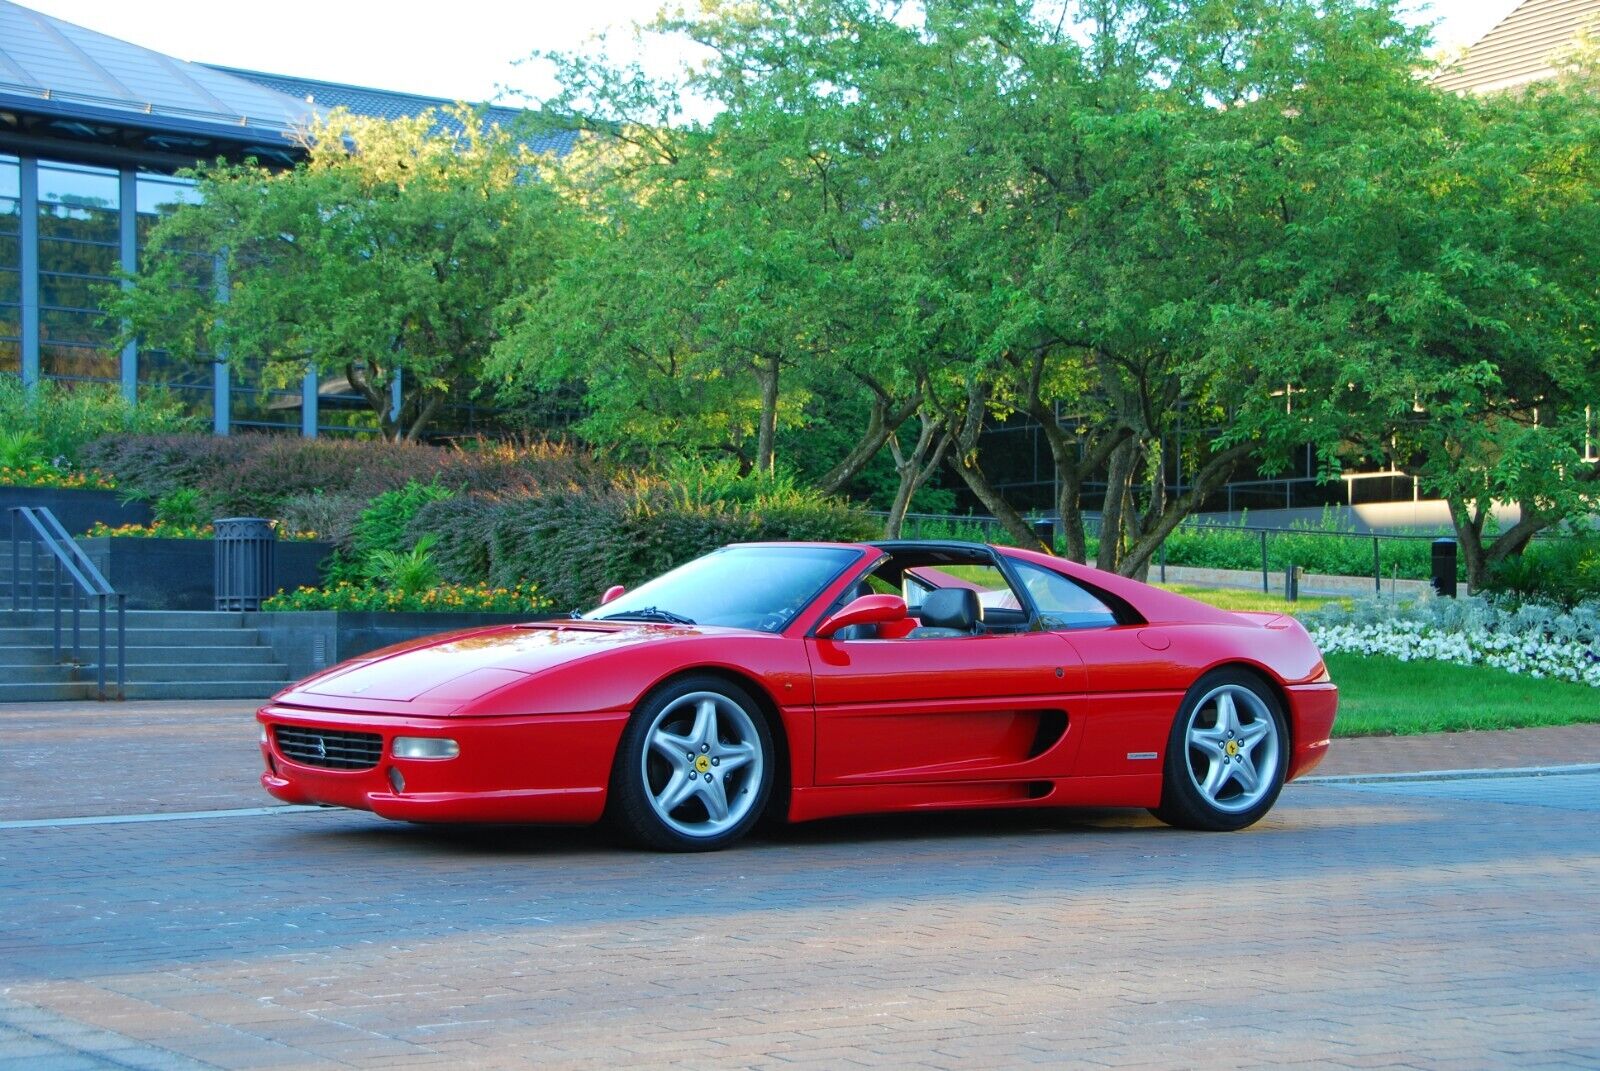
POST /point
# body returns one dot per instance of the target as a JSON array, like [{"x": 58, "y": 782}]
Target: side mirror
[
  {"x": 867, "y": 610},
  {"x": 613, "y": 593}
]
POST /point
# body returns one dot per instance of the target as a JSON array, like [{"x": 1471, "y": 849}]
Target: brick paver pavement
[{"x": 1431, "y": 924}]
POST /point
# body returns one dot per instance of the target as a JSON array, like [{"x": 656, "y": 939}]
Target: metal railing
[
  {"x": 990, "y": 529},
  {"x": 39, "y": 528}
]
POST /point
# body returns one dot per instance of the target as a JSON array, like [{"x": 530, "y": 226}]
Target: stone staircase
[{"x": 172, "y": 654}]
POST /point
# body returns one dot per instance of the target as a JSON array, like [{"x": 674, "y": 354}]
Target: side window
[
  {"x": 994, "y": 593},
  {"x": 1062, "y": 604}
]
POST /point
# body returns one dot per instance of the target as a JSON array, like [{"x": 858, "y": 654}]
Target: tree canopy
[{"x": 385, "y": 257}]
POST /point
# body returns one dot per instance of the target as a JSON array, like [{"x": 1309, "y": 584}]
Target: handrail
[{"x": 87, "y": 581}]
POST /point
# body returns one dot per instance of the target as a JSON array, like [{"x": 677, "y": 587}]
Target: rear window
[{"x": 1062, "y": 604}]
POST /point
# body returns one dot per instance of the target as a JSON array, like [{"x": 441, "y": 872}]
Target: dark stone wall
[
  {"x": 180, "y": 574},
  {"x": 78, "y": 510},
  {"x": 308, "y": 641}
]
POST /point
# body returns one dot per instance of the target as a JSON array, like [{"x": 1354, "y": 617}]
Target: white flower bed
[{"x": 1540, "y": 641}]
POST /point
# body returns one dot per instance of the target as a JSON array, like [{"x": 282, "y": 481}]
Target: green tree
[{"x": 383, "y": 257}]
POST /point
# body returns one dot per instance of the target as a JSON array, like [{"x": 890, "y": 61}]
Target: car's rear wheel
[
  {"x": 1226, "y": 756},
  {"x": 694, "y": 767}
]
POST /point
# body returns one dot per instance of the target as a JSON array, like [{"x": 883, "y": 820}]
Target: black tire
[
  {"x": 641, "y": 805},
  {"x": 1203, "y": 751}
]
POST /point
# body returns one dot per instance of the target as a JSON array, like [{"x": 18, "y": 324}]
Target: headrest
[{"x": 956, "y": 608}]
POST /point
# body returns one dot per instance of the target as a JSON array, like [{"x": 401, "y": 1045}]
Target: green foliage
[
  {"x": 437, "y": 598},
  {"x": 573, "y": 542},
  {"x": 184, "y": 508},
  {"x": 379, "y": 539},
  {"x": 1562, "y": 570},
  {"x": 60, "y": 420},
  {"x": 409, "y": 571},
  {"x": 381, "y": 258},
  {"x": 21, "y": 449}
]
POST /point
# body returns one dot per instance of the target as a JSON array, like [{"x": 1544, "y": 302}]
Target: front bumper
[
  {"x": 1312, "y": 708},
  {"x": 537, "y": 768}
]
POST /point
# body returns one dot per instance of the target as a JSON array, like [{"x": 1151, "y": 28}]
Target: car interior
[{"x": 958, "y": 591}]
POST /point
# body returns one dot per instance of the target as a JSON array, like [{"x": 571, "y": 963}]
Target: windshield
[{"x": 738, "y": 587}]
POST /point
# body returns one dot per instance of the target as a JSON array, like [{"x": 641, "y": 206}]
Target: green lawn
[
  {"x": 1382, "y": 696},
  {"x": 1243, "y": 599}
]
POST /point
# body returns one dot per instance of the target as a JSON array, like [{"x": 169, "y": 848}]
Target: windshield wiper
[{"x": 650, "y": 613}]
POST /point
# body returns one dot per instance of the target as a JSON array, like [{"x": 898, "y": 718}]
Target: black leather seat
[{"x": 948, "y": 612}]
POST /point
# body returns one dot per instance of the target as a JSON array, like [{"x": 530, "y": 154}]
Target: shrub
[
  {"x": 381, "y": 529},
  {"x": 410, "y": 571},
  {"x": 65, "y": 419},
  {"x": 182, "y": 508},
  {"x": 156, "y": 465},
  {"x": 331, "y": 517},
  {"x": 574, "y": 541},
  {"x": 456, "y": 598},
  {"x": 1563, "y": 570}
]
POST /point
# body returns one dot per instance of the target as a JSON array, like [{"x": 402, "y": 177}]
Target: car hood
[{"x": 441, "y": 673}]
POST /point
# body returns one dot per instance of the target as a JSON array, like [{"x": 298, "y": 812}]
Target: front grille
[{"x": 331, "y": 748}]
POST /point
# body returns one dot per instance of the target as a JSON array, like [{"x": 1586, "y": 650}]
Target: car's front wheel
[
  {"x": 1227, "y": 755},
  {"x": 694, "y": 767}
]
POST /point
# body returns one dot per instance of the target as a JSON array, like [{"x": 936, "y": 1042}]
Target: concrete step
[
  {"x": 137, "y": 619},
  {"x": 38, "y": 674},
  {"x": 89, "y": 633},
  {"x": 85, "y": 690},
  {"x": 198, "y": 655},
  {"x": 145, "y": 673}
]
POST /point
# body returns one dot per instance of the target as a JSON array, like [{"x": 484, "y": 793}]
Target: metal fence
[{"x": 1204, "y": 544}]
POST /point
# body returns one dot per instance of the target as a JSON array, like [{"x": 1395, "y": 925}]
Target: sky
[{"x": 457, "y": 49}]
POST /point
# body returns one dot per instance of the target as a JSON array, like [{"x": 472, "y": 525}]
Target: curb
[{"x": 1453, "y": 775}]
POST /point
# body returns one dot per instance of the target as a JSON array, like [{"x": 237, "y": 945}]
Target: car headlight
[
  {"x": 424, "y": 747},
  {"x": 265, "y": 740}
]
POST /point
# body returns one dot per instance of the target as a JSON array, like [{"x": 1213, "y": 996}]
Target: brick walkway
[{"x": 1431, "y": 924}]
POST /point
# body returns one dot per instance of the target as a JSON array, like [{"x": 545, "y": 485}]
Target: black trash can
[
  {"x": 245, "y": 548},
  {"x": 1444, "y": 568},
  {"x": 1045, "y": 532}
]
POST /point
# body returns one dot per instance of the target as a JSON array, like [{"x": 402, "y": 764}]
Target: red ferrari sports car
[{"x": 804, "y": 680}]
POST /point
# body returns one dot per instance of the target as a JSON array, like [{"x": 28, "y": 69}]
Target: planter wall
[
  {"x": 77, "y": 509},
  {"x": 308, "y": 641},
  {"x": 179, "y": 574}
]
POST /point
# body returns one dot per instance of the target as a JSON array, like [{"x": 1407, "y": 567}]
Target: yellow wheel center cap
[
  {"x": 1232, "y": 748},
  {"x": 702, "y": 764}
]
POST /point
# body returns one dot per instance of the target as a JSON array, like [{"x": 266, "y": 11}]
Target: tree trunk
[
  {"x": 766, "y": 368},
  {"x": 884, "y": 422},
  {"x": 1118, "y": 478},
  {"x": 1213, "y": 474},
  {"x": 964, "y": 432},
  {"x": 914, "y": 471},
  {"x": 1469, "y": 539}
]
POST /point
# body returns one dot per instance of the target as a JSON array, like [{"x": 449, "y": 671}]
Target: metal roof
[
  {"x": 1520, "y": 48},
  {"x": 54, "y": 67},
  {"x": 387, "y": 104}
]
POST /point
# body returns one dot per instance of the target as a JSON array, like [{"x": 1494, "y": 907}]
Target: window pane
[
  {"x": 63, "y": 325},
  {"x": 158, "y": 196},
  {"x": 10, "y": 216},
  {"x": 59, "y": 361},
  {"x": 70, "y": 291},
  {"x": 78, "y": 258},
  {"x": 72, "y": 185},
  {"x": 158, "y": 367},
  {"x": 10, "y": 356},
  {"x": 10, "y": 177},
  {"x": 1061, "y": 603},
  {"x": 10, "y": 287}
]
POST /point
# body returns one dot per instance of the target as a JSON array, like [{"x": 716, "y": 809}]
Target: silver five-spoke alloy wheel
[
  {"x": 703, "y": 764},
  {"x": 1233, "y": 748}
]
